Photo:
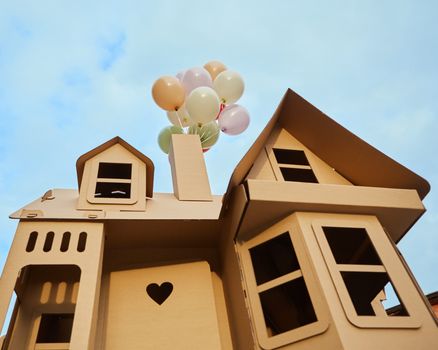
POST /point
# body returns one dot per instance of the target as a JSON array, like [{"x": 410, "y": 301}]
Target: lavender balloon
[
  {"x": 233, "y": 120},
  {"x": 194, "y": 78}
]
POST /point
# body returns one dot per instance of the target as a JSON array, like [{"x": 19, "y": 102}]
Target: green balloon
[
  {"x": 165, "y": 134},
  {"x": 208, "y": 133}
]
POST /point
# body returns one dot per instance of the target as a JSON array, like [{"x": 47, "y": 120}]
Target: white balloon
[
  {"x": 203, "y": 105},
  {"x": 180, "y": 117},
  {"x": 229, "y": 86}
]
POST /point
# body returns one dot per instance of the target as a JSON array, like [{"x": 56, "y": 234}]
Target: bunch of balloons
[{"x": 201, "y": 101}]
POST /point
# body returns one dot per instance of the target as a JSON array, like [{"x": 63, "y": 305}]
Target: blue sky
[{"x": 74, "y": 74}]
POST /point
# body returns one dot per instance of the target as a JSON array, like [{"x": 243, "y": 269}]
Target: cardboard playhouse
[{"x": 299, "y": 253}]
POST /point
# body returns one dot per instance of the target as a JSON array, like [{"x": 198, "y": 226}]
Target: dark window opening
[
  {"x": 287, "y": 306},
  {"x": 112, "y": 190},
  {"x": 114, "y": 171},
  {"x": 31, "y": 242},
  {"x": 298, "y": 175},
  {"x": 364, "y": 287},
  {"x": 65, "y": 241},
  {"x": 392, "y": 303},
  {"x": 351, "y": 246},
  {"x": 55, "y": 328},
  {"x": 48, "y": 242},
  {"x": 289, "y": 156},
  {"x": 82, "y": 242},
  {"x": 273, "y": 258}
]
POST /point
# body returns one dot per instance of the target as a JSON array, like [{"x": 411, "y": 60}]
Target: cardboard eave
[
  {"x": 163, "y": 206},
  {"x": 269, "y": 201},
  {"x": 352, "y": 157}
]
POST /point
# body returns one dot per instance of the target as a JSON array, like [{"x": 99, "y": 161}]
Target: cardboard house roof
[
  {"x": 80, "y": 163},
  {"x": 353, "y": 158}
]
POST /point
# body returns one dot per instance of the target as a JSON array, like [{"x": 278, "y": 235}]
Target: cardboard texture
[
  {"x": 189, "y": 174},
  {"x": 299, "y": 253},
  {"x": 188, "y": 312}
]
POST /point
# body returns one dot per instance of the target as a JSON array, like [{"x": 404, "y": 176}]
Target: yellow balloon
[
  {"x": 180, "y": 117},
  {"x": 203, "y": 105},
  {"x": 168, "y": 93},
  {"x": 214, "y": 68},
  {"x": 229, "y": 86}
]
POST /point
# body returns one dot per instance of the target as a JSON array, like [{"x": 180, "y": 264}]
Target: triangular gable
[
  {"x": 80, "y": 163},
  {"x": 356, "y": 160},
  {"x": 308, "y": 167}
]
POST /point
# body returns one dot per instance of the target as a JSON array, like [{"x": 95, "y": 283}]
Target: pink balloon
[
  {"x": 194, "y": 78},
  {"x": 233, "y": 120}
]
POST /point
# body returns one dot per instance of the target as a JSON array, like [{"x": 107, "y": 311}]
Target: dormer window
[
  {"x": 291, "y": 165},
  {"x": 114, "y": 176},
  {"x": 294, "y": 165},
  {"x": 115, "y": 183},
  {"x": 113, "y": 180}
]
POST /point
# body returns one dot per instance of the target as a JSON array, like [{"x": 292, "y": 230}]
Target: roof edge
[
  {"x": 344, "y": 148},
  {"x": 245, "y": 164}
]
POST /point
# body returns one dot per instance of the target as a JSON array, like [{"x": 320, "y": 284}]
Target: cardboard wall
[{"x": 183, "y": 316}]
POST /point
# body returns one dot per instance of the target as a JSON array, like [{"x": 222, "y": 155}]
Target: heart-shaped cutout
[{"x": 159, "y": 293}]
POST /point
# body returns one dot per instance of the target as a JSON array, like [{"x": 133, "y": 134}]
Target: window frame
[
  {"x": 375, "y": 233},
  {"x": 276, "y": 167},
  {"x": 94, "y": 179},
  {"x": 306, "y": 271}
]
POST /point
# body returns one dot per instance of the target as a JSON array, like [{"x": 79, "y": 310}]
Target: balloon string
[
  {"x": 221, "y": 108},
  {"x": 179, "y": 119},
  {"x": 212, "y": 135},
  {"x": 203, "y": 133}
]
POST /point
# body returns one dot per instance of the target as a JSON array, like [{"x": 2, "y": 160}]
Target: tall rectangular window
[
  {"x": 283, "y": 294},
  {"x": 360, "y": 277},
  {"x": 280, "y": 295},
  {"x": 113, "y": 183},
  {"x": 113, "y": 180}
]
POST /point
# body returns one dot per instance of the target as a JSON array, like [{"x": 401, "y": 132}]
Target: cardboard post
[{"x": 189, "y": 173}]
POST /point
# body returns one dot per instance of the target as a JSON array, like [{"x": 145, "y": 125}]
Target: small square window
[
  {"x": 112, "y": 190},
  {"x": 273, "y": 258},
  {"x": 298, "y": 175},
  {"x": 290, "y": 156},
  {"x": 351, "y": 245},
  {"x": 55, "y": 328},
  {"x": 287, "y": 306},
  {"x": 114, "y": 171}
]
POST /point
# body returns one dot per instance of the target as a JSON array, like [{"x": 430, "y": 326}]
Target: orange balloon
[
  {"x": 214, "y": 68},
  {"x": 168, "y": 93}
]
